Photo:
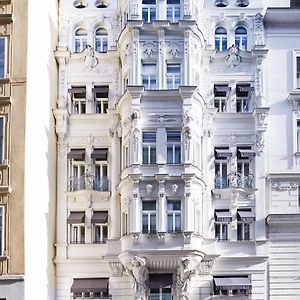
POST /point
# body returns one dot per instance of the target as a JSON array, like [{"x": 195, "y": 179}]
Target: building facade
[{"x": 177, "y": 126}]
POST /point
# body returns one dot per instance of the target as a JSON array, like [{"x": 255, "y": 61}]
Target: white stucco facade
[{"x": 178, "y": 171}]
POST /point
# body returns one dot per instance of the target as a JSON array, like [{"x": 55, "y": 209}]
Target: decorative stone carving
[
  {"x": 258, "y": 30},
  {"x": 127, "y": 201},
  {"x": 258, "y": 82},
  {"x": 134, "y": 7},
  {"x": 174, "y": 48},
  {"x": 89, "y": 58},
  {"x": 174, "y": 188},
  {"x": 116, "y": 268},
  {"x": 206, "y": 267},
  {"x": 137, "y": 270},
  {"x": 149, "y": 48},
  {"x": 135, "y": 137},
  {"x": 260, "y": 142},
  {"x": 187, "y": 268},
  {"x": 186, "y": 8},
  {"x": 61, "y": 145},
  {"x": 149, "y": 189},
  {"x": 233, "y": 58},
  {"x": 276, "y": 186}
]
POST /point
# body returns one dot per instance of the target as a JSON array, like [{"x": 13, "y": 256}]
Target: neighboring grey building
[{"x": 178, "y": 134}]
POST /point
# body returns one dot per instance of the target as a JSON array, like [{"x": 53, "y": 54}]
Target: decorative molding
[
  {"x": 149, "y": 48},
  {"x": 174, "y": 48},
  {"x": 258, "y": 30},
  {"x": 116, "y": 268},
  {"x": 233, "y": 57},
  {"x": 276, "y": 186},
  {"x": 260, "y": 142}
]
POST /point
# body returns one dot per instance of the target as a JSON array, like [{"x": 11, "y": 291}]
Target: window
[
  {"x": 221, "y": 93},
  {"x": 244, "y": 155},
  {"x": 3, "y": 55},
  {"x": 78, "y": 99},
  {"x": 221, "y": 3},
  {"x": 149, "y": 10},
  {"x": 220, "y": 39},
  {"x": 244, "y": 218},
  {"x": 149, "y": 216},
  {"x": 76, "y": 159},
  {"x": 99, "y": 222},
  {"x": 80, "y": 39},
  {"x": 232, "y": 286},
  {"x": 243, "y": 95},
  {"x": 100, "y": 180},
  {"x": 173, "y": 147},
  {"x": 173, "y": 10},
  {"x": 149, "y": 76},
  {"x": 241, "y": 38},
  {"x": 222, "y": 154},
  {"x": 101, "y": 40},
  {"x": 2, "y": 236},
  {"x": 160, "y": 286},
  {"x": 76, "y": 227},
  {"x": 149, "y": 147},
  {"x": 101, "y": 98},
  {"x": 222, "y": 218},
  {"x": 298, "y": 72},
  {"x": 2, "y": 141},
  {"x": 80, "y": 4},
  {"x": 242, "y": 3},
  {"x": 173, "y": 76},
  {"x": 174, "y": 215}
]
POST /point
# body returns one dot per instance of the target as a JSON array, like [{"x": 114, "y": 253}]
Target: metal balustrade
[
  {"x": 234, "y": 180},
  {"x": 88, "y": 182}
]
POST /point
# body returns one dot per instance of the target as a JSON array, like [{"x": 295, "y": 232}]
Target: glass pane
[
  {"x": 149, "y": 205},
  {"x": 224, "y": 231},
  {"x": 217, "y": 44},
  {"x": 170, "y": 14},
  {"x": 173, "y": 1},
  {"x": 174, "y": 205},
  {"x": 169, "y": 154},
  {"x": 80, "y": 32},
  {"x": 173, "y": 136},
  {"x": 149, "y": 2},
  {"x": 145, "y": 223},
  {"x": 177, "y": 222},
  {"x": 239, "y": 231},
  {"x": 152, "y": 155},
  {"x": 82, "y": 231},
  {"x": 145, "y": 155},
  {"x": 145, "y": 14},
  {"x": 221, "y": 31},
  {"x": 152, "y": 83},
  {"x": 173, "y": 68},
  {"x": 152, "y": 223},
  {"x": 240, "y": 30},
  {"x": 2, "y": 57},
  {"x": 170, "y": 222},
  {"x": 152, "y": 14},
  {"x": 105, "y": 45},
  {"x": 224, "y": 44},
  {"x": 105, "y": 232},
  {"x": 149, "y": 137},
  {"x": 97, "y": 234},
  {"x": 177, "y": 155},
  {"x": 217, "y": 232},
  {"x": 246, "y": 231}
]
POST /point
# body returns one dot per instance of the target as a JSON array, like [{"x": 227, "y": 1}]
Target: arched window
[
  {"x": 101, "y": 40},
  {"x": 80, "y": 39},
  {"x": 220, "y": 39},
  {"x": 241, "y": 38}
]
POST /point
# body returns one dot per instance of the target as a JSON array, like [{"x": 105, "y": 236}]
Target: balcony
[
  {"x": 234, "y": 180},
  {"x": 88, "y": 182}
]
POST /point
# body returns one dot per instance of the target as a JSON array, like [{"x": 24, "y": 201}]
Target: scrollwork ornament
[
  {"x": 61, "y": 145},
  {"x": 260, "y": 142},
  {"x": 258, "y": 29}
]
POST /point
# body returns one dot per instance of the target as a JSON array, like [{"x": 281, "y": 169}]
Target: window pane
[
  {"x": 149, "y": 205},
  {"x": 173, "y": 68},
  {"x": 239, "y": 231},
  {"x": 2, "y": 57},
  {"x": 174, "y": 205},
  {"x": 170, "y": 154},
  {"x": 149, "y": 1},
  {"x": 246, "y": 231},
  {"x": 152, "y": 223},
  {"x": 149, "y": 69},
  {"x": 177, "y": 222},
  {"x": 173, "y": 136},
  {"x": 173, "y": 1},
  {"x": 177, "y": 155},
  {"x": 170, "y": 222},
  {"x": 217, "y": 231},
  {"x": 145, "y": 155},
  {"x": 149, "y": 137},
  {"x": 145, "y": 223},
  {"x": 152, "y": 155},
  {"x": 224, "y": 231}
]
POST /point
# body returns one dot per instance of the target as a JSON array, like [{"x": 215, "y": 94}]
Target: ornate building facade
[{"x": 177, "y": 126}]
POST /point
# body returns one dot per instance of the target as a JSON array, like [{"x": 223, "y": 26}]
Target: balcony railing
[
  {"x": 234, "y": 180},
  {"x": 88, "y": 182}
]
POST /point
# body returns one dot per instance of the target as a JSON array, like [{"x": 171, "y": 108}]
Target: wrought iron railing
[
  {"x": 88, "y": 182},
  {"x": 234, "y": 179}
]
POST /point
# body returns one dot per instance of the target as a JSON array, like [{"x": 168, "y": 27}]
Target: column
[
  {"x": 136, "y": 78},
  {"x": 162, "y": 204},
  {"x": 186, "y": 58},
  {"x": 188, "y": 207},
  {"x": 136, "y": 209},
  {"x": 161, "y": 59},
  {"x": 114, "y": 181}
]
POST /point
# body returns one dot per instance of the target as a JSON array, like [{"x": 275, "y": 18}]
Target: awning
[
  {"x": 157, "y": 281},
  {"x": 246, "y": 216},
  {"x": 76, "y": 154},
  {"x": 76, "y": 217},
  {"x": 245, "y": 153},
  {"x": 81, "y": 285},
  {"x": 101, "y": 90},
  {"x": 222, "y": 153},
  {"x": 244, "y": 89},
  {"x": 77, "y": 90},
  {"x": 232, "y": 283},
  {"x": 100, "y": 154},
  {"x": 99, "y": 217},
  {"x": 222, "y": 88},
  {"x": 223, "y": 216}
]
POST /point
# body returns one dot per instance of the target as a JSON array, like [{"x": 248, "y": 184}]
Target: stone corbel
[
  {"x": 260, "y": 142},
  {"x": 61, "y": 128},
  {"x": 294, "y": 101}
]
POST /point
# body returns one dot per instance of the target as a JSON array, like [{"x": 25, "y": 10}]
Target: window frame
[
  {"x": 241, "y": 39},
  {"x": 174, "y": 77},
  {"x": 102, "y": 38},
  {"x": 101, "y": 240},
  {"x": 173, "y": 8},
  {"x": 244, "y": 106},
  {"x": 224, "y": 178},
  {"x": 160, "y": 293},
  {"x": 173, "y": 213},
  {"x": 5, "y": 57},
  {"x": 176, "y": 148},
  {"x": 220, "y": 101},
  {"x": 78, "y": 104},
  {"x": 147, "y": 12},
  {"x": 148, "y": 77},
  {"x": 147, "y": 147},
  {"x": 81, "y": 39},
  {"x": 80, "y": 165},
  {"x": 78, "y": 239},
  {"x": 296, "y": 70},
  {"x": 149, "y": 213},
  {"x": 221, "y": 38},
  {"x": 101, "y": 103}
]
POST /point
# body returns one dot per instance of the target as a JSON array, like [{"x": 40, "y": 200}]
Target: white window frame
[
  {"x": 2, "y": 140},
  {"x": 221, "y": 162},
  {"x": 239, "y": 38},
  {"x": 221, "y": 38},
  {"x": 149, "y": 213},
  {"x": 160, "y": 292},
  {"x": 175, "y": 78},
  {"x": 243, "y": 226},
  {"x": 75, "y": 233},
  {"x": 101, "y": 165},
  {"x": 5, "y": 57},
  {"x": 2, "y": 230},
  {"x": 102, "y": 38},
  {"x": 176, "y": 147},
  {"x": 147, "y": 146},
  {"x": 101, "y": 226},
  {"x": 149, "y": 8},
  {"x": 296, "y": 79},
  {"x": 173, "y": 8},
  {"x": 221, "y": 225},
  {"x": 78, "y": 105},
  {"x": 77, "y": 171},
  {"x": 81, "y": 39},
  {"x": 174, "y": 213},
  {"x": 149, "y": 76}
]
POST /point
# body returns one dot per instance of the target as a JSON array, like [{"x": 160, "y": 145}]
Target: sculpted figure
[
  {"x": 233, "y": 58},
  {"x": 89, "y": 57}
]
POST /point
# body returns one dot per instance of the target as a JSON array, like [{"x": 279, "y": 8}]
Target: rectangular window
[
  {"x": 244, "y": 218},
  {"x": 100, "y": 229},
  {"x": 149, "y": 147},
  {"x": 173, "y": 147},
  {"x": 126, "y": 156},
  {"x": 2, "y": 230},
  {"x": 149, "y": 10},
  {"x": 101, "y": 99},
  {"x": 173, "y": 10},
  {"x": 173, "y": 76},
  {"x": 78, "y": 99},
  {"x": 2, "y": 143},
  {"x": 244, "y": 156},
  {"x": 3, "y": 57},
  {"x": 174, "y": 215},
  {"x": 243, "y": 95},
  {"x": 221, "y": 93},
  {"x": 76, "y": 158},
  {"x": 149, "y": 76},
  {"x": 149, "y": 216},
  {"x": 298, "y": 135},
  {"x": 222, "y": 218},
  {"x": 77, "y": 234}
]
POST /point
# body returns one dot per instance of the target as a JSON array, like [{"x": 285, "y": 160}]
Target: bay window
[
  {"x": 174, "y": 215},
  {"x": 149, "y": 147},
  {"x": 173, "y": 75},
  {"x": 3, "y": 57},
  {"x": 173, "y": 147},
  {"x": 221, "y": 39},
  {"x": 149, "y": 10},
  {"x": 149, "y": 76},
  {"x": 80, "y": 39},
  {"x": 149, "y": 216},
  {"x": 173, "y": 10}
]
